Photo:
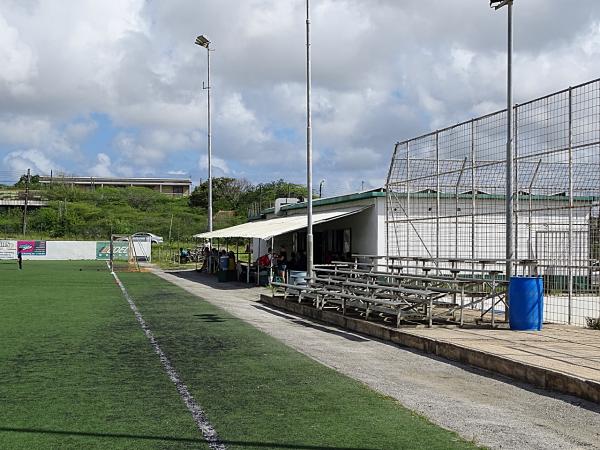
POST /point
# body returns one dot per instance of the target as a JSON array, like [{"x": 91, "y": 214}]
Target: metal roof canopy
[{"x": 266, "y": 229}]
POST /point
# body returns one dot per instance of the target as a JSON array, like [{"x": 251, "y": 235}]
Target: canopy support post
[{"x": 271, "y": 268}]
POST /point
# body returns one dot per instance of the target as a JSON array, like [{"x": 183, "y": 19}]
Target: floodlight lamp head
[
  {"x": 202, "y": 41},
  {"x": 497, "y": 4}
]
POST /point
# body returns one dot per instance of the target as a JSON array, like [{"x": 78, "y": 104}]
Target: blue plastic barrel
[
  {"x": 526, "y": 296},
  {"x": 224, "y": 262},
  {"x": 297, "y": 277}
]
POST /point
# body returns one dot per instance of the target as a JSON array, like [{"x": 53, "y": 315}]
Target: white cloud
[
  {"x": 25, "y": 131},
  {"x": 137, "y": 154},
  {"x": 102, "y": 167},
  {"x": 219, "y": 166},
  {"x": 239, "y": 121},
  {"x": 20, "y": 161},
  {"x": 16, "y": 59},
  {"x": 78, "y": 131}
]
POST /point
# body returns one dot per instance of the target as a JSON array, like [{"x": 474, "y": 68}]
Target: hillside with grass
[{"x": 74, "y": 213}]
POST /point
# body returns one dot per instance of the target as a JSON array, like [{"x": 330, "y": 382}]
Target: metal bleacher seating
[{"x": 407, "y": 292}]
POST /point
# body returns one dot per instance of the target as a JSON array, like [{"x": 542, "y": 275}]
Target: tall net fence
[{"x": 447, "y": 197}]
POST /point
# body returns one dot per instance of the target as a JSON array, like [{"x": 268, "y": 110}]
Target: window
[
  {"x": 339, "y": 242},
  {"x": 299, "y": 242}
]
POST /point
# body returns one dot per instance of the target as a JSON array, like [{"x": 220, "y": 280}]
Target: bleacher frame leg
[
  {"x": 430, "y": 312},
  {"x": 462, "y": 305}
]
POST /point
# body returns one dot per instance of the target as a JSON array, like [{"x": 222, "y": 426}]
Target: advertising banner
[
  {"x": 8, "y": 249},
  {"x": 32, "y": 248},
  {"x": 120, "y": 250}
]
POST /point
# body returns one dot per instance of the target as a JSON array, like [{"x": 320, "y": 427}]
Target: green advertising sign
[{"x": 120, "y": 251}]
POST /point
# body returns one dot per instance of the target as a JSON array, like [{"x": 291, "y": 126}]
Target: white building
[{"x": 348, "y": 224}]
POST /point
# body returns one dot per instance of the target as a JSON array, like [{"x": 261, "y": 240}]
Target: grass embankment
[
  {"x": 76, "y": 370},
  {"x": 259, "y": 393}
]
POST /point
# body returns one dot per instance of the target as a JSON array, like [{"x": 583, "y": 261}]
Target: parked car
[{"x": 146, "y": 237}]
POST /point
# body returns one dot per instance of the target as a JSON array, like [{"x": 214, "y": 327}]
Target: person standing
[
  {"x": 20, "y": 259},
  {"x": 282, "y": 263}
]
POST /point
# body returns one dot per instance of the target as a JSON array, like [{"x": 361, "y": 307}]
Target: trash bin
[
  {"x": 222, "y": 276},
  {"x": 297, "y": 277},
  {"x": 526, "y": 307},
  {"x": 224, "y": 262}
]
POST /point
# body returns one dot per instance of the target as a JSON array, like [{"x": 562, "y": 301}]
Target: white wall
[
  {"x": 368, "y": 228},
  {"x": 143, "y": 250},
  {"x": 66, "y": 250},
  {"x": 368, "y": 234},
  {"x": 80, "y": 251}
]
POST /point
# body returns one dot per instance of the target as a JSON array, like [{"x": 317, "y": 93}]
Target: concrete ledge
[{"x": 541, "y": 377}]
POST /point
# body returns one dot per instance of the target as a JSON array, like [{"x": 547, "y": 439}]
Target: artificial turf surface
[{"x": 76, "y": 371}]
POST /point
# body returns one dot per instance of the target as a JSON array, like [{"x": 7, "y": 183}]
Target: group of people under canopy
[
  {"x": 281, "y": 262},
  {"x": 212, "y": 259}
]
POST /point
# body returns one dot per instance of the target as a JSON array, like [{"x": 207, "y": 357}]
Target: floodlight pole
[
  {"x": 210, "y": 205},
  {"x": 309, "y": 228},
  {"x": 204, "y": 42}
]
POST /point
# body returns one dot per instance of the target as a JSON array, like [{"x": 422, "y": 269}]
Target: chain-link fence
[{"x": 447, "y": 197}]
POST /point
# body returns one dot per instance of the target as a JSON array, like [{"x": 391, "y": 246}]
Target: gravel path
[{"x": 491, "y": 411}]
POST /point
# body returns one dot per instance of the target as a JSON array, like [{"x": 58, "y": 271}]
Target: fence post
[
  {"x": 389, "y": 219},
  {"x": 571, "y": 204},
  {"x": 473, "y": 198},
  {"x": 437, "y": 199},
  {"x": 516, "y": 182},
  {"x": 408, "y": 199}
]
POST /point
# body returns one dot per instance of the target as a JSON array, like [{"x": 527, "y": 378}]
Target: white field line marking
[{"x": 207, "y": 430}]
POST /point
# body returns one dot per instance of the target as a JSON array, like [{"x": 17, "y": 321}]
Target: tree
[
  {"x": 231, "y": 194},
  {"x": 227, "y": 194},
  {"x": 34, "y": 180}
]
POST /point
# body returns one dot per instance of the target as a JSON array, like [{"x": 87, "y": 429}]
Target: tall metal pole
[
  {"x": 210, "y": 206},
  {"x": 309, "y": 228},
  {"x": 509, "y": 151}
]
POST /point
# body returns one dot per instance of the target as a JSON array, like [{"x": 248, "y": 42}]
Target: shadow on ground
[
  {"x": 169, "y": 439},
  {"x": 304, "y": 323}
]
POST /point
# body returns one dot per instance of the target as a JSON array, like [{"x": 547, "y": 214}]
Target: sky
[{"x": 115, "y": 87}]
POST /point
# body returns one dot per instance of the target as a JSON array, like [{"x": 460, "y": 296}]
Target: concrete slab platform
[{"x": 559, "y": 358}]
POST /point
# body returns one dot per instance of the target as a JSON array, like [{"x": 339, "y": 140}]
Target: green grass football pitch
[{"x": 76, "y": 371}]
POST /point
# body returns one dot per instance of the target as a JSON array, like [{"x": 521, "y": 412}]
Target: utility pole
[{"x": 27, "y": 180}]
